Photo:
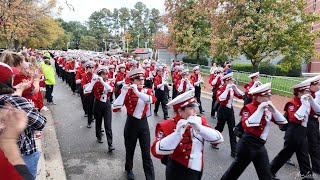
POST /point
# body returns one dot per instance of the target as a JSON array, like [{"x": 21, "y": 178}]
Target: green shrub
[
  {"x": 242, "y": 67},
  {"x": 267, "y": 68},
  {"x": 202, "y": 61},
  {"x": 280, "y": 71}
]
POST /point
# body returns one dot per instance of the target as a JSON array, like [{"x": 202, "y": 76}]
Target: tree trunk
[{"x": 198, "y": 57}]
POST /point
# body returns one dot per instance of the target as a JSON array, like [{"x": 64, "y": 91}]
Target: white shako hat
[
  {"x": 121, "y": 66},
  {"x": 314, "y": 80},
  {"x": 136, "y": 73},
  {"x": 227, "y": 77},
  {"x": 101, "y": 68},
  {"x": 185, "y": 71},
  {"x": 264, "y": 89},
  {"x": 304, "y": 85},
  {"x": 89, "y": 63},
  {"x": 256, "y": 74},
  {"x": 111, "y": 66},
  {"x": 196, "y": 68},
  {"x": 186, "y": 99}
]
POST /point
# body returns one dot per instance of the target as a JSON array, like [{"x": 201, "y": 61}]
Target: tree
[
  {"x": 190, "y": 28},
  {"x": 262, "y": 30},
  {"x": 88, "y": 43},
  {"x": 75, "y": 31}
]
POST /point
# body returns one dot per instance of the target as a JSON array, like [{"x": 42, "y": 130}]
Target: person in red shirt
[
  {"x": 256, "y": 118},
  {"x": 176, "y": 76},
  {"x": 149, "y": 77},
  {"x": 215, "y": 82},
  {"x": 196, "y": 80},
  {"x": 297, "y": 111},
  {"x": 184, "y": 84},
  {"x": 111, "y": 77},
  {"x": 102, "y": 90},
  {"x": 137, "y": 101},
  {"x": 255, "y": 82},
  {"x": 225, "y": 95},
  {"x": 161, "y": 91},
  {"x": 120, "y": 79},
  {"x": 179, "y": 142},
  {"x": 87, "y": 79}
]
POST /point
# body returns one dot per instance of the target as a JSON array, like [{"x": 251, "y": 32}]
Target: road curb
[{"x": 50, "y": 163}]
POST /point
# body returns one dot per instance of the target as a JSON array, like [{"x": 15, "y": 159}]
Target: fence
[{"x": 280, "y": 85}]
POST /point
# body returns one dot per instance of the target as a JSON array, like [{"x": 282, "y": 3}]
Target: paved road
[{"x": 85, "y": 159}]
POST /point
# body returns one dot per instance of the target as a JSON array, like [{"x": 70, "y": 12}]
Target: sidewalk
[
  {"x": 278, "y": 101},
  {"x": 50, "y": 165}
]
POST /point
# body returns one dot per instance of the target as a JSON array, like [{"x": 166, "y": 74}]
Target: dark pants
[
  {"x": 197, "y": 94},
  {"x": 226, "y": 115},
  {"x": 49, "y": 90},
  {"x": 295, "y": 141},
  {"x": 83, "y": 101},
  {"x": 148, "y": 84},
  {"x": 247, "y": 100},
  {"x": 78, "y": 86},
  {"x": 176, "y": 171},
  {"x": 89, "y": 100},
  {"x": 214, "y": 99},
  {"x": 135, "y": 129},
  {"x": 249, "y": 149},
  {"x": 73, "y": 82},
  {"x": 103, "y": 110},
  {"x": 118, "y": 88},
  {"x": 60, "y": 72},
  {"x": 56, "y": 65},
  {"x": 174, "y": 91},
  {"x": 314, "y": 143},
  {"x": 162, "y": 97}
]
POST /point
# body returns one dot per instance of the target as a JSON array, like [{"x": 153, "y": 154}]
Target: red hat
[{"x": 6, "y": 72}]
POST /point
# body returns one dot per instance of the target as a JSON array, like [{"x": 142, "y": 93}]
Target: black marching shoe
[
  {"x": 99, "y": 140},
  {"x": 85, "y": 115},
  {"x": 130, "y": 175},
  {"x": 155, "y": 114},
  {"x": 167, "y": 117},
  {"x": 274, "y": 177},
  {"x": 233, "y": 154},
  {"x": 89, "y": 126},
  {"x": 102, "y": 130},
  {"x": 291, "y": 163},
  {"x": 202, "y": 111},
  {"x": 111, "y": 148},
  {"x": 214, "y": 146}
]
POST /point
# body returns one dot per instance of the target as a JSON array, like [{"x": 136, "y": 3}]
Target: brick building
[{"x": 314, "y": 7}]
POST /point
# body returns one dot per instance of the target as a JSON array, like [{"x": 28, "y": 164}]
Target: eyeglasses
[{"x": 90, "y": 67}]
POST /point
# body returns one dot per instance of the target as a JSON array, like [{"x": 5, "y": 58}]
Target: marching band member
[
  {"x": 87, "y": 82},
  {"x": 255, "y": 82},
  {"x": 176, "y": 76},
  {"x": 184, "y": 84},
  {"x": 179, "y": 142},
  {"x": 255, "y": 118},
  {"x": 120, "y": 78},
  {"x": 298, "y": 110},
  {"x": 149, "y": 76},
  {"x": 196, "y": 80},
  {"x": 161, "y": 91},
  {"x": 111, "y": 77},
  {"x": 102, "y": 90},
  {"x": 215, "y": 82},
  {"x": 137, "y": 101},
  {"x": 313, "y": 134},
  {"x": 225, "y": 95}
]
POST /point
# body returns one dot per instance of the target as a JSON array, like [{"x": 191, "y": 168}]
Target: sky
[{"x": 84, "y": 8}]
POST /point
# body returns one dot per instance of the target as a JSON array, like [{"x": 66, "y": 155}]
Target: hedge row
[{"x": 269, "y": 69}]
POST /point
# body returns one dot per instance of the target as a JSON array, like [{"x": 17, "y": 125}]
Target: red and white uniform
[
  {"x": 157, "y": 82},
  {"x": 196, "y": 79},
  {"x": 79, "y": 72},
  {"x": 184, "y": 86},
  {"x": 120, "y": 76},
  {"x": 225, "y": 96},
  {"x": 101, "y": 93},
  {"x": 292, "y": 107},
  {"x": 85, "y": 81}
]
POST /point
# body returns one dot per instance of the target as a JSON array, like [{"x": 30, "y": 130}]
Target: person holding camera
[{"x": 255, "y": 119}]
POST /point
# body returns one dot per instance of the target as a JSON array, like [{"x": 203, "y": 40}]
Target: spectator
[
  {"x": 26, "y": 141},
  {"x": 50, "y": 80},
  {"x": 13, "y": 122},
  {"x": 229, "y": 69}
]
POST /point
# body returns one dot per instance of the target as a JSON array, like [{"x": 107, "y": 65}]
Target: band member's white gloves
[
  {"x": 106, "y": 85},
  {"x": 314, "y": 104},
  {"x": 207, "y": 133},
  {"x": 255, "y": 118},
  {"x": 169, "y": 143},
  {"x": 279, "y": 118},
  {"x": 237, "y": 90},
  {"x": 144, "y": 97},
  {"x": 225, "y": 93},
  {"x": 304, "y": 109},
  {"x": 120, "y": 82}
]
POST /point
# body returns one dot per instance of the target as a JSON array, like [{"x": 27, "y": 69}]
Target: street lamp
[
  {"x": 105, "y": 44},
  {"x": 138, "y": 40}
]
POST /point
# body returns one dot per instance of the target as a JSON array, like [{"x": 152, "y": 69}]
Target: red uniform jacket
[
  {"x": 230, "y": 96},
  {"x": 85, "y": 79},
  {"x": 79, "y": 71},
  {"x": 120, "y": 76},
  {"x": 157, "y": 80},
  {"x": 291, "y": 107},
  {"x": 247, "y": 87},
  {"x": 99, "y": 92}
]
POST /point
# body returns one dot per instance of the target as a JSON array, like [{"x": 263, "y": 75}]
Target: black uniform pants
[
  {"x": 56, "y": 65},
  {"x": 247, "y": 100},
  {"x": 295, "y": 141},
  {"x": 314, "y": 143},
  {"x": 249, "y": 149},
  {"x": 83, "y": 101},
  {"x": 89, "y": 100},
  {"x": 214, "y": 99},
  {"x": 175, "y": 171},
  {"x": 197, "y": 94},
  {"x": 162, "y": 97},
  {"x": 49, "y": 90},
  {"x": 73, "y": 82},
  {"x": 103, "y": 111},
  {"x": 118, "y": 88},
  {"x": 148, "y": 84},
  {"x": 135, "y": 129},
  {"x": 174, "y": 91},
  {"x": 226, "y": 115}
]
